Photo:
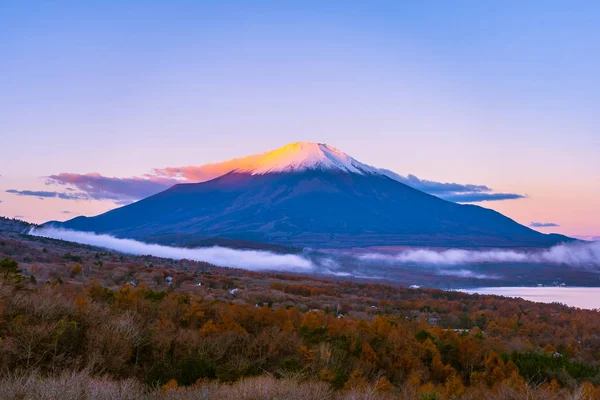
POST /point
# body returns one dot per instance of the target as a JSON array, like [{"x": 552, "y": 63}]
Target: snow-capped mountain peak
[
  {"x": 301, "y": 156},
  {"x": 294, "y": 157},
  {"x": 306, "y": 195}
]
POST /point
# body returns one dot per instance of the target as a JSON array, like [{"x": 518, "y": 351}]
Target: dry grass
[
  {"x": 270, "y": 388},
  {"x": 83, "y": 386},
  {"x": 69, "y": 386}
]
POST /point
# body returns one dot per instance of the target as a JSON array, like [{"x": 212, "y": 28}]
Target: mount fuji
[{"x": 308, "y": 195}]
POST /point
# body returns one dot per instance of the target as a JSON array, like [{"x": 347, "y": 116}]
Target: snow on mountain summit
[
  {"x": 303, "y": 156},
  {"x": 294, "y": 157}
]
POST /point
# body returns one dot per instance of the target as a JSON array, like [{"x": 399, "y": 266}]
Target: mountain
[
  {"x": 14, "y": 225},
  {"x": 310, "y": 194}
]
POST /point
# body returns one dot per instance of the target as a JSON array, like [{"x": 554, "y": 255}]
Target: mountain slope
[{"x": 312, "y": 195}]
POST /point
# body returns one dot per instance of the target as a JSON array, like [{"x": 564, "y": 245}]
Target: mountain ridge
[{"x": 326, "y": 202}]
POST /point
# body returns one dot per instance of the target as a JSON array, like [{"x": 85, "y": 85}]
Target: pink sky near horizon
[{"x": 504, "y": 95}]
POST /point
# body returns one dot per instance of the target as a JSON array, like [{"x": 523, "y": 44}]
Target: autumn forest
[{"x": 85, "y": 323}]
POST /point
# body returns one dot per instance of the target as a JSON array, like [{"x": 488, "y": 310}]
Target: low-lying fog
[
  {"x": 439, "y": 268},
  {"x": 221, "y": 256}
]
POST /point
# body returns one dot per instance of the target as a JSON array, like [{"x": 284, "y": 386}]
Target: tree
[
  {"x": 494, "y": 368},
  {"x": 549, "y": 349},
  {"x": 383, "y": 385},
  {"x": 439, "y": 370},
  {"x": 311, "y": 321},
  {"x": 209, "y": 329},
  {"x": 367, "y": 354},
  {"x": 10, "y": 272},
  {"x": 454, "y": 387},
  {"x": 356, "y": 380},
  {"x": 9, "y": 268},
  {"x": 76, "y": 270}
]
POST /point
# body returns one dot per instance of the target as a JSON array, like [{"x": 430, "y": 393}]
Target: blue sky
[{"x": 498, "y": 93}]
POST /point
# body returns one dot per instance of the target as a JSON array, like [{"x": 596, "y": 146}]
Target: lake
[{"x": 582, "y": 297}]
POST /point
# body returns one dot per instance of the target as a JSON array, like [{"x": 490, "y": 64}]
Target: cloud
[
  {"x": 478, "y": 197},
  {"x": 244, "y": 259},
  {"x": 543, "y": 224},
  {"x": 590, "y": 238},
  {"x": 49, "y": 194},
  {"x": 203, "y": 173},
  {"x": 451, "y": 191},
  {"x": 433, "y": 187},
  {"x": 575, "y": 254},
  {"x": 100, "y": 187}
]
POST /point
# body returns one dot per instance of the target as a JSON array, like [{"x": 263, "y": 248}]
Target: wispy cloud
[
  {"x": 99, "y": 187},
  {"x": 202, "y": 173},
  {"x": 436, "y": 188},
  {"x": 543, "y": 224},
  {"x": 479, "y": 197},
  {"x": 49, "y": 194},
  {"x": 452, "y": 191}
]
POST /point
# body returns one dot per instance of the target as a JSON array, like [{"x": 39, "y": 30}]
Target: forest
[{"x": 80, "y": 322}]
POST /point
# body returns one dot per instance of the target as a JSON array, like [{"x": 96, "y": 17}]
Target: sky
[{"x": 501, "y": 94}]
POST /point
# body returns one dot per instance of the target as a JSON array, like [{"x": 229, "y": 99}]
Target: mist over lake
[{"x": 581, "y": 297}]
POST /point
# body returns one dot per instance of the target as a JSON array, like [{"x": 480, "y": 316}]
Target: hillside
[
  {"x": 193, "y": 328},
  {"x": 14, "y": 225}
]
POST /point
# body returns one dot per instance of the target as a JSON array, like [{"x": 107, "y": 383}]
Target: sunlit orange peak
[{"x": 301, "y": 156}]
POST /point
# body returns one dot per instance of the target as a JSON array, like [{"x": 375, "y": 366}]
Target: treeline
[{"x": 169, "y": 339}]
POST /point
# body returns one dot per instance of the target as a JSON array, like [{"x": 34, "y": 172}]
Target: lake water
[{"x": 582, "y": 297}]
